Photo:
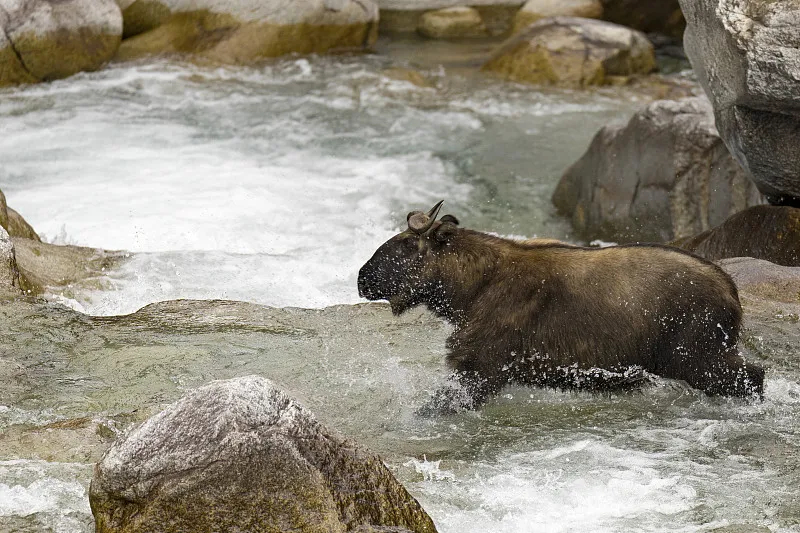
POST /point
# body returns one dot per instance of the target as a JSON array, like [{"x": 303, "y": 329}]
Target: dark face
[{"x": 394, "y": 272}]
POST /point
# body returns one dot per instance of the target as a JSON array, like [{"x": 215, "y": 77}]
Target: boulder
[
  {"x": 648, "y": 16},
  {"x": 534, "y": 10},
  {"x": 757, "y": 278},
  {"x": 574, "y": 52},
  {"x": 243, "y": 31},
  {"x": 52, "y": 267},
  {"x": 240, "y": 455},
  {"x": 764, "y": 232},
  {"x": 452, "y": 23},
  {"x": 403, "y": 16},
  {"x": 746, "y": 54},
  {"x": 14, "y": 224},
  {"x": 42, "y": 40},
  {"x": 665, "y": 174}
]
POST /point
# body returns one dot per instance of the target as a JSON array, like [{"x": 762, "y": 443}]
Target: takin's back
[{"x": 624, "y": 305}]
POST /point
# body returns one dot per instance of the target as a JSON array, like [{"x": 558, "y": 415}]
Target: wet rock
[
  {"x": 403, "y": 16},
  {"x": 765, "y": 280},
  {"x": 247, "y": 30},
  {"x": 763, "y": 232},
  {"x": 573, "y": 52},
  {"x": 658, "y": 16},
  {"x": 240, "y": 453},
  {"x": 452, "y": 23},
  {"x": 49, "y": 266},
  {"x": 534, "y": 10},
  {"x": 746, "y": 54},
  {"x": 9, "y": 275},
  {"x": 43, "y": 40},
  {"x": 663, "y": 175},
  {"x": 14, "y": 224}
]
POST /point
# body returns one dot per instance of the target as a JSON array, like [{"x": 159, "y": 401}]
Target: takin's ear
[{"x": 445, "y": 229}]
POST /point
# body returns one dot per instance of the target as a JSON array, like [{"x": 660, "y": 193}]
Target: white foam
[{"x": 583, "y": 486}]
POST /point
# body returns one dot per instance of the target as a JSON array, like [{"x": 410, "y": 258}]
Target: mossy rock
[
  {"x": 573, "y": 52},
  {"x": 235, "y": 34},
  {"x": 43, "y": 40}
]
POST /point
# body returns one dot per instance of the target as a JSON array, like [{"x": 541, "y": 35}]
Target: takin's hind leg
[{"x": 726, "y": 375}]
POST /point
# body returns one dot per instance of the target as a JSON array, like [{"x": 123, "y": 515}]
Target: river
[{"x": 272, "y": 185}]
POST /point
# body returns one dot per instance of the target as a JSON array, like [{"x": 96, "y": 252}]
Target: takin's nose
[{"x": 365, "y": 288}]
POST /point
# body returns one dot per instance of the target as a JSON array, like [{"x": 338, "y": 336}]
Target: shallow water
[{"x": 273, "y": 185}]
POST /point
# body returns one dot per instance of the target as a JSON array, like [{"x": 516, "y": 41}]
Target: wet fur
[{"x": 547, "y": 313}]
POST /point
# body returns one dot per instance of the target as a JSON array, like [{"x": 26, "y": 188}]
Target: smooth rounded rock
[
  {"x": 746, "y": 54},
  {"x": 573, "y": 52},
  {"x": 240, "y": 455},
  {"x": 452, "y": 23},
  {"x": 534, "y": 10}
]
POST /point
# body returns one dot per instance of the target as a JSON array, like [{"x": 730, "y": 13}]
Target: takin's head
[{"x": 399, "y": 271}]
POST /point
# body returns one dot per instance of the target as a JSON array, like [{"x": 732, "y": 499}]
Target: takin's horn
[{"x": 420, "y": 222}]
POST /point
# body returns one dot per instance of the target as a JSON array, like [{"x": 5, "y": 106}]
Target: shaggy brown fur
[{"x": 551, "y": 314}]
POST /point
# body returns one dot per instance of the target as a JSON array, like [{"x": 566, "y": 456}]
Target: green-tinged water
[{"x": 665, "y": 458}]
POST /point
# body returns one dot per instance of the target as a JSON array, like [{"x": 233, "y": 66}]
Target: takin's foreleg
[{"x": 471, "y": 384}]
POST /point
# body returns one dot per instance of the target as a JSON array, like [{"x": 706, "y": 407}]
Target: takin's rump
[{"x": 549, "y": 314}]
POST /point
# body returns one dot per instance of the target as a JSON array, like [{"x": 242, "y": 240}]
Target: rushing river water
[{"x": 273, "y": 185}]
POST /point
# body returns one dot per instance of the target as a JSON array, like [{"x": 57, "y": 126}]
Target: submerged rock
[
  {"x": 247, "y": 30},
  {"x": 452, "y": 23},
  {"x": 534, "y": 10},
  {"x": 573, "y": 52},
  {"x": 240, "y": 454},
  {"x": 746, "y": 54},
  {"x": 763, "y": 232},
  {"x": 43, "y": 40},
  {"x": 663, "y": 175},
  {"x": 656, "y": 16}
]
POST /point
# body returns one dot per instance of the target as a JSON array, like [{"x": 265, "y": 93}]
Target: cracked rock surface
[
  {"x": 746, "y": 54},
  {"x": 665, "y": 174},
  {"x": 240, "y": 454},
  {"x": 42, "y": 40}
]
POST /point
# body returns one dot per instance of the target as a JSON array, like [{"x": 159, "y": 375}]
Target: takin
[{"x": 546, "y": 313}]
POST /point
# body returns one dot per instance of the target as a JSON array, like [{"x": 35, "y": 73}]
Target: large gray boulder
[
  {"x": 240, "y": 455},
  {"x": 572, "y": 51},
  {"x": 243, "y": 31},
  {"x": 768, "y": 232},
  {"x": 665, "y": 174},
  {"x": 42, "y": 40},
  {"x": 746, "y": 54}
]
